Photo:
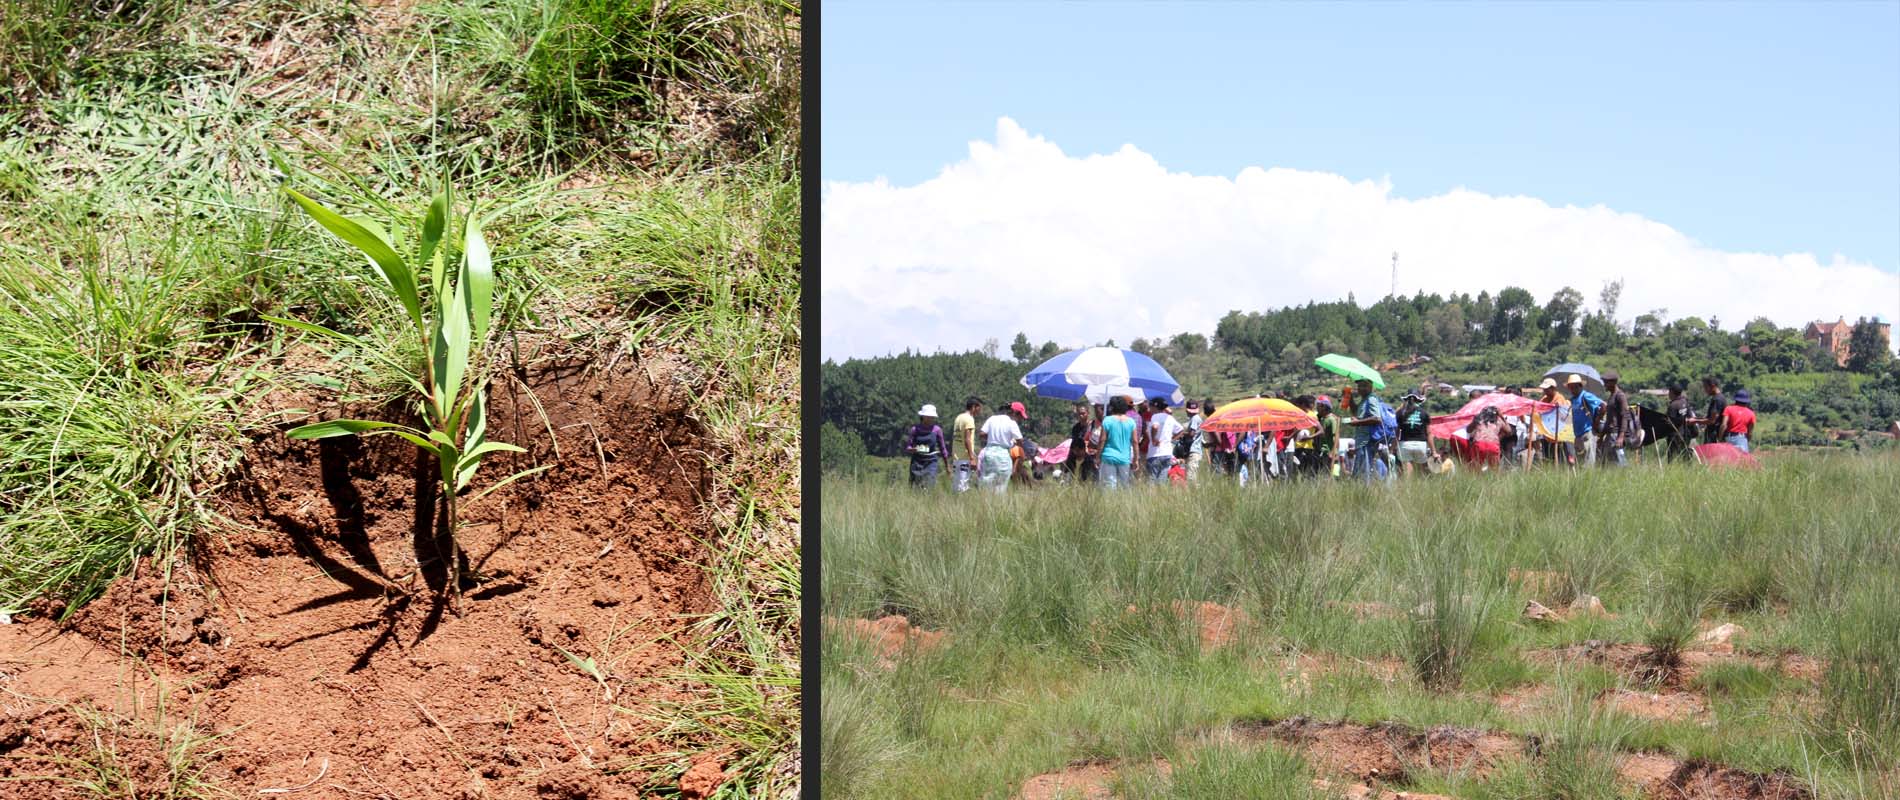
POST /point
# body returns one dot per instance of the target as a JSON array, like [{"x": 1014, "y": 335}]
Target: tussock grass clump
[
  {"x": 1441, "y": 637},
  {"x": 103, "y": 455},
  {"x": 1861, "y": 690},
  {"x": 1671, "y": 623}
]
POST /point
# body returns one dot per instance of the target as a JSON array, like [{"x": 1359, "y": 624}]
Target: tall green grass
[
  {"x": 688, "y": 78},
  {"x": 1061, "y": 645}
]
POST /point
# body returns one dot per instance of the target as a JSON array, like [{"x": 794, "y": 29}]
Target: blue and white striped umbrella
[{"x": 1098, "y": 373}]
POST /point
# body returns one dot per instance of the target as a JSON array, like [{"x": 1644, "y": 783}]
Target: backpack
[
  {"x": 1388, "y": 427},
  {"x": 1183, "y": 446}
]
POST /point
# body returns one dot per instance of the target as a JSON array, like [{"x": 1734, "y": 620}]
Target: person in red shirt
[{"x": 1738, "y": 421}]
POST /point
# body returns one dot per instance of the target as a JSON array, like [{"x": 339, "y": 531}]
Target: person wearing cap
[
  {"x": 1368, "y": 457},
  {"x": 1001, "y": 433},
  {"x": 1193, "y": 432},
  {"x": 1738, "y": 421},
  {"x": 1415, "y": 438},
  {"x": 1163, "y": 429},
  {"x": 964, "y": 433},
  {"x": 1613, "y": 419},
  {"x": 1118, "y": 444},
  {"x": 1584, "y": 408},
  {"x": 1555, "y": 430},
  {"x": 928, "y": 451}
]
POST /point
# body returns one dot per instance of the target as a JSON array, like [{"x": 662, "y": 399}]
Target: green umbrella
[{"x": 1350, "y": 367}]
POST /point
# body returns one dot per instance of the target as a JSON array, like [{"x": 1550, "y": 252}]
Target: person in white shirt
[
  {"x": 1000, "y": 433},
  {"x": 1162, "y": 430},
  {"x": 1194, "y": 432}
]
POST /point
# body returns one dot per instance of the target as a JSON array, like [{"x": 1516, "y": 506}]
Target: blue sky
[{"x": 1769, "y": 128}]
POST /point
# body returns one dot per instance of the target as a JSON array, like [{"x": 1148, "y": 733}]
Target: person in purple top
[{"x": 928, "y": 450}]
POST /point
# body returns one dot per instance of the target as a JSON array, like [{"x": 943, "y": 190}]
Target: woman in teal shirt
[{"x": 1118, "y": 444}]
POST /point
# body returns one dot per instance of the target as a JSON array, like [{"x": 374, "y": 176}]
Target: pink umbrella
[
  {"x": 1723, "y": 454},
  {"x": 1509, "y": 405}
]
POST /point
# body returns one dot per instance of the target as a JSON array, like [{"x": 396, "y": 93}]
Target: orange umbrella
[{"x": 1258, "y": 414}]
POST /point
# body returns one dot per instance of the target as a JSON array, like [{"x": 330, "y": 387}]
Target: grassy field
[
  {"x": 1065, "y": 644},
  {"x": 637, "y": 165}
]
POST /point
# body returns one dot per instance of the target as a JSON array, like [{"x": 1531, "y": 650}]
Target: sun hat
[
  {"x": 1574, "y": 378},
  {"x": 1413, "y": 396},
  {"x": 1549, "y": 383},
  {"x": 1193, "y": 406},
  {"x": 1743, "y": 397},
  {"x": 1610, "y": 375},
  {"x": 929, "y": 410},
  {"x": 1018, "y": 408}
]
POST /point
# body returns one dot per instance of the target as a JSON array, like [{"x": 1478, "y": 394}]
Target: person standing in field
[
  {"x": 1738, "y": 421},
  {"x": 1613, "y": 421},
  {"x": 1584, "y": 408},
  {"x": 1415, "y": 439},
  {"x": 1555, "y": 428},
  {"x": 1118, "y": 444},
  {"x": 1368, "y": 463},
  {"x": 1326, "y": 440},
  {"x": 964, "y": 429},
  {"x": 1001, "y": 434},
  {"x": 1711, "y": 420},
  {"x": 1163, "y": 428},
  {"x": 1084, "y": 444},
  {"x": 928, "y": 450},
  {"x": 1679, "y": 415},
  {"x": 1222, "y": 445},
  {"x": 1194, "y": 440}
]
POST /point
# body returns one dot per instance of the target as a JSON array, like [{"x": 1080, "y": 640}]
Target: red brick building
[{"x": 1835, "y": 335}]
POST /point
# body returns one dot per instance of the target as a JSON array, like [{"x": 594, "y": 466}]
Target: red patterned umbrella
[{"x": 1509, "y": 405}]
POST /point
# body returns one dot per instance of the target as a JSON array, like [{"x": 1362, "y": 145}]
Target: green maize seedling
[{"x": 452, "y": 332}]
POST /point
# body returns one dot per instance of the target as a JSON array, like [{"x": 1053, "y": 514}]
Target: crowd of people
[{"x": 1126, "y": 441}]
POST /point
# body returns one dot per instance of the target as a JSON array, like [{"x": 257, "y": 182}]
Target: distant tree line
[{"x": 1501, "y": 338}]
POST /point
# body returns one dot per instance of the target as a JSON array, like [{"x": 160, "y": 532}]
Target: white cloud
[{"x": 1021, "y": 237}]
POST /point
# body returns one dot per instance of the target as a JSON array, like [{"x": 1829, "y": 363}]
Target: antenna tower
[{"x": 1395, "y": 274}]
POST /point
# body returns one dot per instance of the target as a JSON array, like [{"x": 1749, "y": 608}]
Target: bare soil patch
[
  {"x": 890, "y": 636},
  {"x": 1640, "y": 664},
  {"x": 1654, "y": 705},
  {"x": 1389, "y": 752},
  {"x": 313, "y": 632},
  {"x": 1083, "y": 780},
  {"x": 1393, "y": 753}
]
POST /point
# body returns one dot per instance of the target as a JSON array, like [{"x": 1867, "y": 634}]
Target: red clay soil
[
  {"x": 1083, "y": 780},
  {"x": 1639, "y": 663},
  {"x": 889, "y": 636},
  {"x": 1216, "y": 625},
  {"x": 1390, "y": 753},
  {"x": 311, "y": 641},
  {"x": 1653, "y": 705}
]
